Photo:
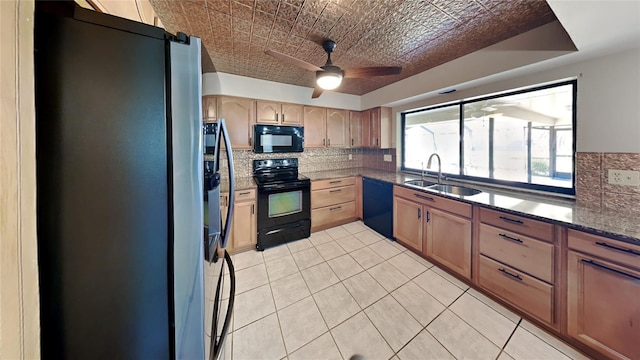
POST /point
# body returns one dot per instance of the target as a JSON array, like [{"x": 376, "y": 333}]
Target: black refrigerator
[{"x": 120, "y": 192}]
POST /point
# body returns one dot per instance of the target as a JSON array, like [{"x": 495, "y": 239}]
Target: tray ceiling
[{"x": 415, "y": 34}]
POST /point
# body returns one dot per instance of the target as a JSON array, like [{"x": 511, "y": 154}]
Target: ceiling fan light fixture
[{"x": 330, "y": 78}]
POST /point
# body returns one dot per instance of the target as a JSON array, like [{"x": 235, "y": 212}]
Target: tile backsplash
[
  {"x": 317, "y": 159},
  {"x": 592, "y": 185}
]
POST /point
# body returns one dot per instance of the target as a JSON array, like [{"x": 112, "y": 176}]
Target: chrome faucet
[{"x": 439, "y": 166}]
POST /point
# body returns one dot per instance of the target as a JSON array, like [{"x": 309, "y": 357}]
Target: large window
[{"x": 523, "y": 138}]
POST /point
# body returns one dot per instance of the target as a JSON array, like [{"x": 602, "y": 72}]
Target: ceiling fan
[{"x": 329, "y": 76}]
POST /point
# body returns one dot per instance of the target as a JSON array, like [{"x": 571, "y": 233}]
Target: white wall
[
  {"x": 608, "y": 109},
  {"x": 233, "y": 85}
]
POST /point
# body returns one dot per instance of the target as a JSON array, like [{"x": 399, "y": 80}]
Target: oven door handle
[
  {"x": 284, "y": 227},
  {"x": 287, "y": 186}
]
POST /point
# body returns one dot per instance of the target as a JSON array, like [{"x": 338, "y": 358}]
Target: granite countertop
[{"x": 615, "y": 224}]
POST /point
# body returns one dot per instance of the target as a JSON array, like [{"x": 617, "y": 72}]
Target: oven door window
[{"x": 285, "y": 203}]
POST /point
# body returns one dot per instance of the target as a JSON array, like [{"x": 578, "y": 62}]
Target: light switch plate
[
  {"x": 387, "y": 158},
  {"x": 624, "y": 177},
  {"x": 350, "y": 157}
]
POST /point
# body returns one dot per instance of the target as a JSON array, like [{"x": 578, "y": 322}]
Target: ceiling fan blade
[
  {"x": 372, "y": 71},
  {"x": 316, "y": 92},
  {"x": 290, "y": 59}
]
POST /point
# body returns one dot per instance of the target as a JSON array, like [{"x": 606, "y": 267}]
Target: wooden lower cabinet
[
  {"x": 244, "y": 228},
  {"x": 437, "y": 227},
  {"x": 449, "y": 241},
  {"x": 333, "y": 202},
  {"x": 516, "y": 287},
  {"x": 603, "y": 295},
  {"x": 407, "y": 223}
]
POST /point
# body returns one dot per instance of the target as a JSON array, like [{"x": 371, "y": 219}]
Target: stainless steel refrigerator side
[{"x": 188, "y": 281}]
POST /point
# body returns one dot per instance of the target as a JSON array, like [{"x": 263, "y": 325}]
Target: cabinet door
[
  {"x": 603, "y": 307},
  {"x": 375, "y": 128},
  {"x": 209, "y": 108},
  {"x": 291, "y": 114},
  {"x": 355, "y": 129},
  {"x": 366, "y": 128},
  {"x": 267, "y": 112},
  {"x": 407, "y": 222},
  {"x": 239, "y": 114},
  {"x": 244, "y": 225},
  {"x": 449, "y": 240},
  {"x": 337, "y": 128},
  {"x": 315, "y": 119}
]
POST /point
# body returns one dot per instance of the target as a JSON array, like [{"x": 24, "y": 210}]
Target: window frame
[{"x": 553, "y": 190}]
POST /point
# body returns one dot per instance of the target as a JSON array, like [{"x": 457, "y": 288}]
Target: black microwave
[{"x": 278, "y": 139}]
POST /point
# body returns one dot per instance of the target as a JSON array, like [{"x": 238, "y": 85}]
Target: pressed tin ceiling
[{"x": 416, "y": 34}]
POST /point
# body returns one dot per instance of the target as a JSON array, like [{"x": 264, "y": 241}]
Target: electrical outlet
[
  {"x": 387, "y": 158},
  {"x": 350, "y": 157},
  {"x": 624, "y": 177}
]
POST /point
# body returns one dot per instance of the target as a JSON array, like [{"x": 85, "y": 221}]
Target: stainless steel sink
[
  {"x": 419, "y": 183},
  {"x": 456, "y": 190}
]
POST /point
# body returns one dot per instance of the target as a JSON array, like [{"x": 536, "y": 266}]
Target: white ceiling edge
[
  {"x": 219, "y": 83},
  {"x": 597, "y": 28}
]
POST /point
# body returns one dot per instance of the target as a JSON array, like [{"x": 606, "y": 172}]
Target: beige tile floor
[{"x": 347, "y": 291}]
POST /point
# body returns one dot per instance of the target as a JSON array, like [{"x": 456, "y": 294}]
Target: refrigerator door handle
[{"x": 232, "y": 183}]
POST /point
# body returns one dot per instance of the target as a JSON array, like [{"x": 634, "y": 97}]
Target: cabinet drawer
[
  {"x": 519, "y": 224},
  {"x": 521, "y": 252},
  {"x": 426, "y": 198},
  {"x": 324, "y": 184},
  {"x": 332, "y": 196},
  {"x": 331, "y": 214},
  {"x": 244, "y": 195},
  {"x": 617, "y": 251},
  {"x": 523, "y": 291}
]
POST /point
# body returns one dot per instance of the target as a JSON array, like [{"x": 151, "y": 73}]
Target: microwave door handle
[{"x": 232, "y": 182}]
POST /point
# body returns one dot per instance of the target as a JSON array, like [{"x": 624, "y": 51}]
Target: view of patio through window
[{"x": 523, "y": 139}]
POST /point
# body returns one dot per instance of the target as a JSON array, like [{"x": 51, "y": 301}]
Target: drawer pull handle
[
  {"x": 335, "y": 208},
  {"x": 593, "y": 263},
  {"x": 419, "y": 213},
  {"x": 335, "y": 182},
  {"x": 423, "y": 197},
  {"x": 626, "y": 251},
  {"x": 513, "y": 276},
  {"x": 244, "y": 193},
  {"x": 513, "y": 221},
  {"x": 505, "y": 236},
  {"x": 335, "y": 191}
]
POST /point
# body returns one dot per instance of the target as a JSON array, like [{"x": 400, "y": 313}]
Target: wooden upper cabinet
[
  {"x": 315, "y": 120},
  {"x": 291, "y": 114},
  {"x": 337, "y": 121},
  {"x": 269, "y": 112},
  {"x": 209, "y": 104},
  {"x": 365, "y": 120},
  {"x": 355, "y": 129},
  {"x": 377, "y": 129},
  {"x": 239, "y": 114}
]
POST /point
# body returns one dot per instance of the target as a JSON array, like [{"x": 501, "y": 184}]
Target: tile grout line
[{"x": 509, "y": 339}]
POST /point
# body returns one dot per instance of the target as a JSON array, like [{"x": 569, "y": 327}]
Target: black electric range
[{"x": 284, "y": 202}]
